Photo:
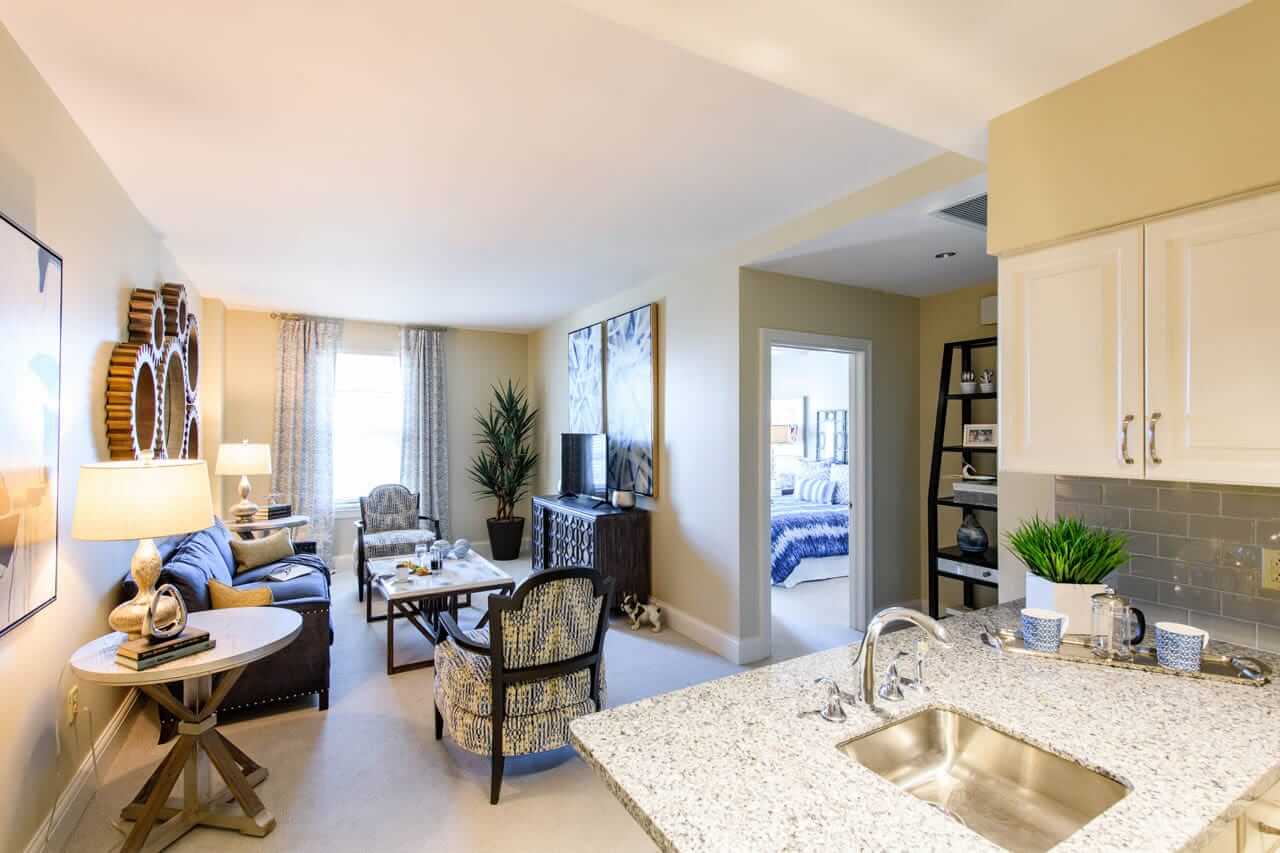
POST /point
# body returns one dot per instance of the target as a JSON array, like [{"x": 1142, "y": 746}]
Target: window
[{"x": 367, "y": 412}]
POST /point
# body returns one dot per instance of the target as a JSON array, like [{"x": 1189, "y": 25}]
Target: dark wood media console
[{"x": 614, "y": 542}]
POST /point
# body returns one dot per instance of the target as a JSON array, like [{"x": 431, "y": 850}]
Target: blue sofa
[{"x": 299, "y": 669}]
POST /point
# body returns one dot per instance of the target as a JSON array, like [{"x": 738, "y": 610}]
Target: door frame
[{"x": 861, "y": 530}]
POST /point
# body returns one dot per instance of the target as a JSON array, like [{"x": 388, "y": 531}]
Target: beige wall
[
  {"x": 699, "y": 520},
  {"x": 1188, "y": 120},
  {"x": 951, "y": 317},
  {"x": 891, "y": 323},
  {"x": 476, "y": 361},
  {"x": 53, "y": 182}
]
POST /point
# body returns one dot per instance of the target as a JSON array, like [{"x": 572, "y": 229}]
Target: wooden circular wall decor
[{"x": 153, "y": 379}]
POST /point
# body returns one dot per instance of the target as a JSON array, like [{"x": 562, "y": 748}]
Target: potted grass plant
[
  {"x": 1066, "y": 564},
  {"x": 505, "y": 464}
]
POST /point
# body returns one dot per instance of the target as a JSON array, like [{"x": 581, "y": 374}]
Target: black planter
[{"x": 505, "y": 535}]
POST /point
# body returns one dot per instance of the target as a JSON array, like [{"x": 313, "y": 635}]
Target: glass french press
[{"x": 1117, "y": 626}]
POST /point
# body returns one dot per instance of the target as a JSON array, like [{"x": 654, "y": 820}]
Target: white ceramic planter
[{"x": 1073, "y": 599}]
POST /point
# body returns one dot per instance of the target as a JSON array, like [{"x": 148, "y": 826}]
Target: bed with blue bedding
[{"x": 802, "y": 530}]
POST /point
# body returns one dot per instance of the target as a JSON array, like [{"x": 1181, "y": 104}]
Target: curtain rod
[{"x": 279, "y": 315}]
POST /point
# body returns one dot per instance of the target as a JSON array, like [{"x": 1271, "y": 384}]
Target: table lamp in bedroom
[
  {"x": 244, "y": 459},
  {"x": 142, "y": 500}
]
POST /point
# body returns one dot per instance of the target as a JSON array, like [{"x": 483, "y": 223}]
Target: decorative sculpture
[{"x": 641, "y": 613}]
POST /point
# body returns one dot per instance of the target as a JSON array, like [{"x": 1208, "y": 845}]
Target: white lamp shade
[
  {"x": 142, "y": 500},
  {"x": 243, "y": 458}
]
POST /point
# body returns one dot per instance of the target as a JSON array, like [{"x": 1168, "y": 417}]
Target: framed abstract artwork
[
  {"x": 31, "y": 350},
  {"x": 631, "y": 378},
  {"x": 586, "y": 379}
]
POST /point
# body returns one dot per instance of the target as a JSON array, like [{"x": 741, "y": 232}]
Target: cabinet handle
[
  {"x": 1151, "y": 439},
  {"x": 1124, "y": 439}
]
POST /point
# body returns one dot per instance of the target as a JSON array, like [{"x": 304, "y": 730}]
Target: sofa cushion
[
  {"x": 224, "y": 596},
  {"x": 314, "y": 585},
  {"x": 193, "y": 561}
]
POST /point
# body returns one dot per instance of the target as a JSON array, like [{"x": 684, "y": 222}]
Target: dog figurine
[{"x": 641, "y": 613}]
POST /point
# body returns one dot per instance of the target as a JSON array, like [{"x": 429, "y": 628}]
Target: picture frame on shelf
[{"x": 981, "y": 436}]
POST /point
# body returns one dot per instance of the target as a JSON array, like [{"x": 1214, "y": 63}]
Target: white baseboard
[
  {"x": 707, "y": 636},
  {"x": 74, "y": 798}
]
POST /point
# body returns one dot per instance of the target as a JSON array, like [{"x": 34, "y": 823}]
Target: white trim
[
  {"x": 72, "y": 799},
  {"x": 861, "y": 528},
  {"x": 708, "y": 636}
]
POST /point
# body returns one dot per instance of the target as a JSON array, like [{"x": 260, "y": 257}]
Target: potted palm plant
[
  {"x": 1066, "y": 564},
  {"x": 505, "y": 464}
]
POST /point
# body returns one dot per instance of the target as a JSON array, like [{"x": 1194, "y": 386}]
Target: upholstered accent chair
[
  {"x": 514, "y": 687},
  {"x": 390, "y": 525}
]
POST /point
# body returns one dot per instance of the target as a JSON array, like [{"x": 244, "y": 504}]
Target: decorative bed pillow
[
  {"x": 840, "y": 476},
  {"x": 815, "y": 491},
  {"x": 251, "y": 553},
  {"x": 813, "y": 469}
]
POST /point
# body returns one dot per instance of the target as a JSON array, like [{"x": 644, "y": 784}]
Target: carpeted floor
[
  {"x": 368, "y": 774},
  {"x": 811, "y": 617}
]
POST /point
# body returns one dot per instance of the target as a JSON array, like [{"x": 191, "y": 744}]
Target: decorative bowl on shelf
[{"x": 968, "y": 387}]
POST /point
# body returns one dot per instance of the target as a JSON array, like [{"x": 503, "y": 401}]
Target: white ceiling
[
  {"x": 895, "y": 251},
  {"x": 937, "y": 69},
  {"x": 498, "y": 163},
  {"x": 494, "y": 162}
]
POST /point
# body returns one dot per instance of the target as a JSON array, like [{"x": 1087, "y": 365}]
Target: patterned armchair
[
  {"x": 513, "y": 688},
  {"x": 389, "y": 526}
]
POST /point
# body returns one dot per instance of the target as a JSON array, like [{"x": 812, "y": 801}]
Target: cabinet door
[
  {"x": 1213, "y": 323},
  {"x": 1071, "y": 358}
]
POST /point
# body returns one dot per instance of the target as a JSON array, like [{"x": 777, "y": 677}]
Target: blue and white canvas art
[
  {"x": 586, "y": 379},
  {"x": 30, "y": 349},
  {"x": 630, "y": 391}
]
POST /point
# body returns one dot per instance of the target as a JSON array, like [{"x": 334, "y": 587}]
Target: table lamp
[
  {"x": 142, "y": 500},
  {"x": 244, "y": 459}
]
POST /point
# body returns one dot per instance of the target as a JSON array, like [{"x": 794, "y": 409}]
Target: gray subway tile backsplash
[{"x": 1196, "y": 550}]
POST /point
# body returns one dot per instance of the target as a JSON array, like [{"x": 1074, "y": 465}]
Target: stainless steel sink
[{"x": 1003, "y": 788}]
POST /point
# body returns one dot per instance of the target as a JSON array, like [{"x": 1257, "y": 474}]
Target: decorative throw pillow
[
  {"x": 224, "y": 596},
  {"x": 251, "y": 553},
  {"x": 815, "y": 491},
  {"x": 813, "y": 469},
  {"x": 840, "y": 476}
]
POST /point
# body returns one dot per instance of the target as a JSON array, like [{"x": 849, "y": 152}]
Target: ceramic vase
[{"x": 1073, "y": 599}]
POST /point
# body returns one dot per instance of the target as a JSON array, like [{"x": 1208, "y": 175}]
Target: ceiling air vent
[{"x": 971, "y": 212}]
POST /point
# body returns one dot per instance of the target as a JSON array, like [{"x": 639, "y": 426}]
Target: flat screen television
[{"x": 583, "y": 465}]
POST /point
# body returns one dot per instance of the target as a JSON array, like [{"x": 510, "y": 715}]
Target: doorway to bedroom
[{"x": 816, "y": 491}]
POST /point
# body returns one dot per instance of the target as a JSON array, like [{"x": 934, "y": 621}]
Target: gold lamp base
[{"x": 136, "y": 617}]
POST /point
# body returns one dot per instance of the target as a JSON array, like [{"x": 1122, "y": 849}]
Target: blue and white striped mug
[
  {"x": 1043, "y": 630},
  {"x": 1179, "y": 646}
]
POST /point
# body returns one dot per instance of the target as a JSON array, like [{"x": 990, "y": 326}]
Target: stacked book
[
  {"x": 146, "y": 652},
  {"x": 271, "y": 512},
  {"x": 981, "y": 492}
]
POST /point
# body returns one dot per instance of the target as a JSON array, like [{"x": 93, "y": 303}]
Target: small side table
[
  {"x": 242, "y": 636},
  {"x": 247, "y": 529}
]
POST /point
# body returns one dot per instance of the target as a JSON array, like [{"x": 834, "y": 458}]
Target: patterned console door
[
  {"x": 614, "y": 543},
  {"x": 573, "y": 540}
]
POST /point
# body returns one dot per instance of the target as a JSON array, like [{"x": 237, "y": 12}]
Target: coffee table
[
  {"x": 242, "y": 635},
  {"x": 422, "y": 598}
]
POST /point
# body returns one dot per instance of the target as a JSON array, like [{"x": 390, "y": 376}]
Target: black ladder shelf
[{"x": 982, "y": 566}]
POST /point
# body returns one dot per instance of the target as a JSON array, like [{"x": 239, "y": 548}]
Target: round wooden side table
[{"x": 242, "y": 635}]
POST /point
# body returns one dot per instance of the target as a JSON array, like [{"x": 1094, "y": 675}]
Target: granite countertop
[{"x": 727, "y": 765}]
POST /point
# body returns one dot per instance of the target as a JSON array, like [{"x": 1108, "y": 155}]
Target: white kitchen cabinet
[
  {"x": 1149, "y": 352},
  {"x": 1213, "y": 343},
  {"x": 1071, "y": 358}
]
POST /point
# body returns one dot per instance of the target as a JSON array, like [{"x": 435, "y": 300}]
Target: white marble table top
[
  {"x": 469, "y": 573},
  {"x": 289, "y": 521},
  {"x": 241, "y": 635}
]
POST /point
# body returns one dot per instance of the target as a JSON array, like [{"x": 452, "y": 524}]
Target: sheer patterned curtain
[
  {"x": 302, "y": 451},
  {"x": 424, "y": 449}
]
